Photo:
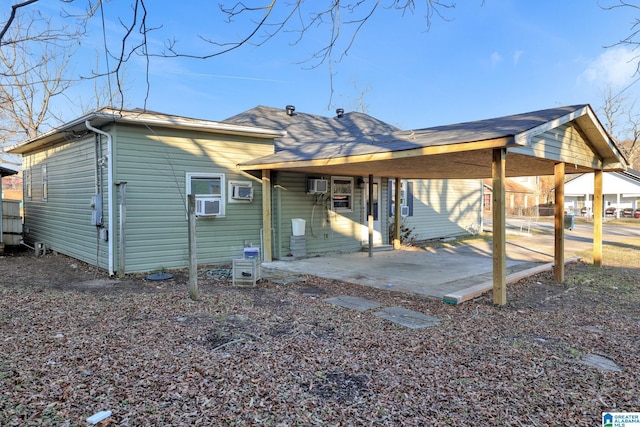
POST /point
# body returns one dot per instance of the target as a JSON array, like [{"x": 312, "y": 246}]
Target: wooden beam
[
  {"x": 597, "y": 218},
  {"x": 396, "y": 215},
  {"x": 267, "y": 255},
  {"x": 499, "y": 227},
  {"x": 558, "y": 213},
  {"x": 431, "y": 150}
]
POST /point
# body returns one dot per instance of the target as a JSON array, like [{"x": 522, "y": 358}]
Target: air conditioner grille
[{"x": 208, "y": 206}]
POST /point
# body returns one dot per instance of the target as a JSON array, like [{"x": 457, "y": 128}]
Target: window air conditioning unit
[
  {"x": 242, "y": 192},
  {"x": 404, "y": 211},
  {"x": 208, "y": 206},
  {"x": 317, "y": 185}
]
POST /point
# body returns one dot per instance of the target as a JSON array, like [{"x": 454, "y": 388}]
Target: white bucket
[{"x": 298, "y": 225}]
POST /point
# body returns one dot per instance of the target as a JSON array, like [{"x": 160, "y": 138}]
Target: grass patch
[{"x": 622, "y": 254}]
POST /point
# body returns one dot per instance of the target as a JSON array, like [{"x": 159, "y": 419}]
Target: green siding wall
[
  {"x": 563, "y": 144},
  {"x": 326, "y": 231},
  {"x": 154, "y": 166},
  {"x": 443, "y": 208},
  {"x": 63, "y": 221}
]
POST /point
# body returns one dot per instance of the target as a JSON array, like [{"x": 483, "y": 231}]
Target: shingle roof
[
  {"x": 303, "y": 128},
  {"x": 316, "y": 137}
]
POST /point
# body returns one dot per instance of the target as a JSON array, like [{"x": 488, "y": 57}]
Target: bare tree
[
  {"x": 338, "y": 22},
  {"x": 34, "y": 72},
  {"x": 622, "y": 121},
  {"x": 633, "y": 38}
]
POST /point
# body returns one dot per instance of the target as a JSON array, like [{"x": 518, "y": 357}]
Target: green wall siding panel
[
  {"x": 63, "y": 221},
  {"x": 444, "y": 208},
  {"x": 154, "y": 168},
  {"x": 326, "y": 231}
]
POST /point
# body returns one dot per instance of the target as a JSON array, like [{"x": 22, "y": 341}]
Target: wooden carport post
[
  {"x": 396, "y": 215},
  {"x": 499, "y": 224},
  {"x": 370, "y": 216},
  {"x": 267, "y": 255},
  {"x": 558, "y": 212},
  {"x": 597, "y": 218}
]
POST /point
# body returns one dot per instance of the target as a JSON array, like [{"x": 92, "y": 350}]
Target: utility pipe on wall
[{"x": 109, "y": 191}]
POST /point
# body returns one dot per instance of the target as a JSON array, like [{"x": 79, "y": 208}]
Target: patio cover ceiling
[{"x": 454, "y": 151}]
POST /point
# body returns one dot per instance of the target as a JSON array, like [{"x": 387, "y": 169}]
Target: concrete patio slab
[
  {"x": 451, "y": 270},
  {"x": 408, "y": 318},
  {"x": 355, "y": 303},
  {"x": 475, "y": 291}
]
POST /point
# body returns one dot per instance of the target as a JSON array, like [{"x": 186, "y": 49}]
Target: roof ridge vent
[
  {"x": 339, "y": 112},
  {"x": 290, "y": 109}
]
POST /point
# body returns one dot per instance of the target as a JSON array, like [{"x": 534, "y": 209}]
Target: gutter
[{"x": 87, "y": 123}]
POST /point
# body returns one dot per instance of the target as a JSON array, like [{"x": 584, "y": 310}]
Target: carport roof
[{"x": 357, "y": 144}]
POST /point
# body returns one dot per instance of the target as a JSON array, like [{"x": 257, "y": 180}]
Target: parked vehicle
[
  {"x": 610, "y": 211},
  {"x": 627, "y": 213}
]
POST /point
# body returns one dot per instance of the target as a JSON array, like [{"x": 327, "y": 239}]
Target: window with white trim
[
  {"x": 406, "y": 197},
  {"x": 342, "y": 193},
  {"x": 27, "y": 183},
  {"x": 209, "y": 191},
  {"x": 45, "y": 183}
]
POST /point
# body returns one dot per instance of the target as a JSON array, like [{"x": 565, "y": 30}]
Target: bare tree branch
[{"x": 12, "y": 17}]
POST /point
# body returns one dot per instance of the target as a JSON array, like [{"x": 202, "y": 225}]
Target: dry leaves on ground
[{"x": 279, "y": 355}]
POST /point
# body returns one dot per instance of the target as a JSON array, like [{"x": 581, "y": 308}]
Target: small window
[
  {"x": 27, "y": 183},
  {"x": 45, "y": 183},
  {"x": 342, "y": 194},
  {"x": 406, "y": 198},
  {"x": 209, "y": 192}
]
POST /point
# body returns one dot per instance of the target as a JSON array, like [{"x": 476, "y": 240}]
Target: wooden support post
[
  {"x": 267, "y": 255},
  {"x": 558, "y": 213},
  {"x": 397, "y": 242},
  {"x": 193, "y": 249},
  {"x": 370, "y": 216},
  {"x": 597, "y": 218},
  {"x": 499, "y": 226}
]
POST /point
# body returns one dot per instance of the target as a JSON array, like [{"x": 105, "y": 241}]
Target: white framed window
[
  {"x": 45, "y": 183},
  {"x": 209, "y": 191},
  {"x": 27, "y": 183},
  {"x": 342, "y": 193},
  {"x": 406, "y": 197}
]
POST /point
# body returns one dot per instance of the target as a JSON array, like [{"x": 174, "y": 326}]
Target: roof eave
[{"x": 100, "y": 119}]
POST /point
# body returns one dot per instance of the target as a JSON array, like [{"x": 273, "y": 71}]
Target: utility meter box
[{"x": 96, "y": 209}]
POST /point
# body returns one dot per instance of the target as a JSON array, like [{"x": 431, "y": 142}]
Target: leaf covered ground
[{"x": 73, "y": 343}]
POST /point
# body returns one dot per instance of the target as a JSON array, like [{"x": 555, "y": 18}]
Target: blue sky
[{"x": 485, "y": 59}]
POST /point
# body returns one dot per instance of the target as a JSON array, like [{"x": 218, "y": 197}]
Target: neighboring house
[
  {"x": 520, "y": 200},
  {"x": 9, "y": 215},
  {"x": 620, "y": 192}
]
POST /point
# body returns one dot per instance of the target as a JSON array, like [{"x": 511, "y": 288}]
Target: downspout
[{"x": 109, "y": 191}]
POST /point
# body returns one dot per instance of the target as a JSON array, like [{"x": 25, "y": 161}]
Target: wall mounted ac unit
[
  {"x": 208, "y": 206},
  {"x": 317, "y": 185},
  {"x": 404, "y": 211},
  {"x": 242, "y": 192}
]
